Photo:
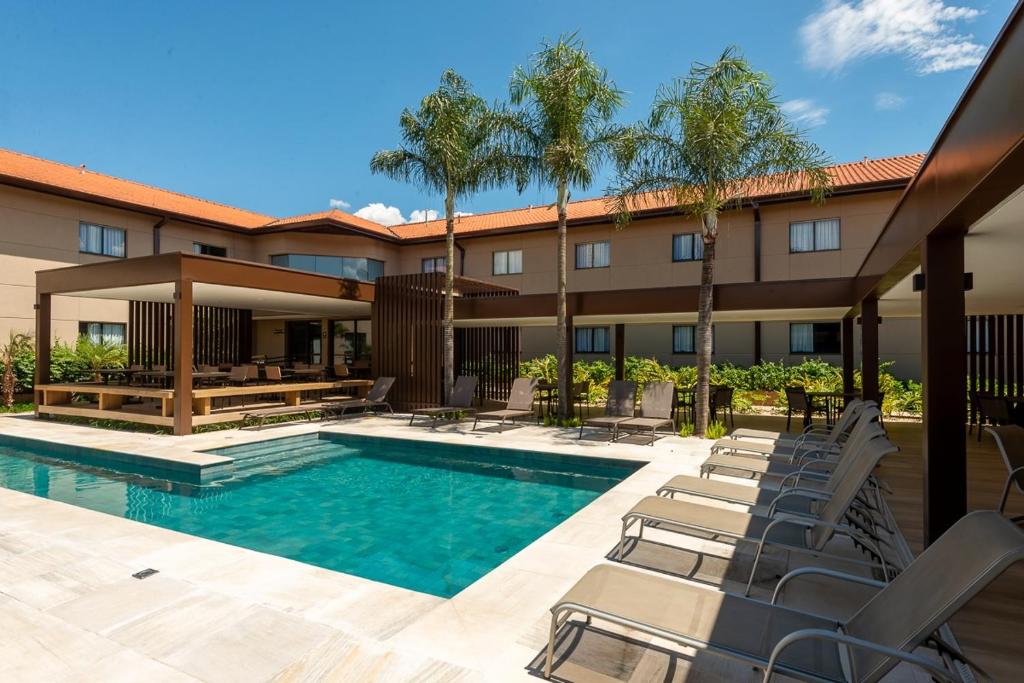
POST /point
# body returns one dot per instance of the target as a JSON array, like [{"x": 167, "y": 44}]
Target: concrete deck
[{"x": 70, "y": 610}]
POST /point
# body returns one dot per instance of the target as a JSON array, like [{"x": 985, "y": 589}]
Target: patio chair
[
  {"x": 802, "y": 534},
  {"x": 1010, "y": 441},
  {"x": 765, "y": 494},
  {"x": 460, "y": 401},
  {"x": 811, "y": 432},
  {"x": 272, "y": 373},
  {"x": 520, "y": 404},
  {"x": 902, "y": 616},
  {"x": 783, "y": 464},
  {"x": 721, "y": 399},
  {"x": 340, "y": 371},
  {"x": 797, "y": 401},
  {"x": 376, "y": 397},
  {"x": 581, "y": 396},
  {"x": 996, "y": 410},
  {"x": 621, "y": 406},
  {"x": 655, "y": 410}
]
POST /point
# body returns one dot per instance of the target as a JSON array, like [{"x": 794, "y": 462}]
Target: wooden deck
[{"x": 987, "y": 627}]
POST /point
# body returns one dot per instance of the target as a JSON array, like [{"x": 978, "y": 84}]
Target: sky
[{"x": 278, "y": 107}]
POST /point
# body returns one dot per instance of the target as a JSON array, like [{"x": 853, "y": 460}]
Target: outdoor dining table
[
  {"x": 302, "y": 372},
  {"x": 106, "y": 373},
  {"x": 167, "y": 375},
  {"x": 832, "y": 401}
]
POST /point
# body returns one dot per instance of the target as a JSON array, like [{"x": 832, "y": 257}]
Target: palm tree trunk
[
  {"x": 564, "y": 367},
  {"x": 448, "y": 323},
  {"x": 704, "y": 335}
]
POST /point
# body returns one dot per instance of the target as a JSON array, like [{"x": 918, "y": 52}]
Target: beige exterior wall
[{"x": 40, "y": 231}]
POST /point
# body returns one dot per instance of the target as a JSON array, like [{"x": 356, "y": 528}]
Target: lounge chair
[
  {"x": 780, "y": 465},
  {"x": 1010, "y": 441},
  {"x": 460, "y": 401},
  {"x": 520, "y": 404},
  {"x": 811, "y": 434},
  {"x": 621, "y": 406},
  {"x": 810, "y": 479},
  {"x": 805, "y": 534},
  {"x": 655, "y": 410},
  {"x": 376, "y": 397},
  {"x": 903, "y": 615}
]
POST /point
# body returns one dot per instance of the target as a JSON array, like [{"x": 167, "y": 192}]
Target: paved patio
[{"x": 221, "y": 613}]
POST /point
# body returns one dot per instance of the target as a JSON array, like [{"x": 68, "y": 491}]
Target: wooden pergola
[{"x": 183, "y": 281}]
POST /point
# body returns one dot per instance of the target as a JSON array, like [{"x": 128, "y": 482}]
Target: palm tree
[
  {"x": 713, "y": 139},
  {"x": 562, "y": 135},
  {"x": 100, "y": 353},
  {"x": 17, "y": 344},
  {"x": 449, "y": 147}
]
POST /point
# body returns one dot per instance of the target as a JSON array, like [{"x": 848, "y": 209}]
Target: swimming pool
[{"x": 421, "y": 515}]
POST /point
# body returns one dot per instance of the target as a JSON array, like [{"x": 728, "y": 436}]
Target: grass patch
[{"x": 19, "y": 407}]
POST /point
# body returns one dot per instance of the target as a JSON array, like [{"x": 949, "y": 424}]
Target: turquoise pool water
[{"x": 424, "y": 516}]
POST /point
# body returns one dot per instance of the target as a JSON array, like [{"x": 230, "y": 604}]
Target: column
[
  {"x": 620, "y": 351},
  {"x": 847, "y": 330},
  {"x": 869, "y": 348},
  {"x": 183, "y": 357},
  {"x": 944, "y": 376},
  {"x": 43, "y": 322}
]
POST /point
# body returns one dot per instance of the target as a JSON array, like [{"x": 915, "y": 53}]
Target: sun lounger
[
  {"x": 460, "y": 401},
  {"x": 806, "y": 534},
  {"x": 816, "y": 432},
  {"x": 621, "y": 406},
  {"x": 376, "y": 397},
  {"x": 520, "y": 404},
  {"x": 259, "y": 416},
  {"x": 655, "y": 410},
  {"x": 902, "y": 616},
  {"x": 783, "y": 450}
]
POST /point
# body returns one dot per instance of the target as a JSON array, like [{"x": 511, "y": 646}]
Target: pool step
[{"x": 282, "y": 455}]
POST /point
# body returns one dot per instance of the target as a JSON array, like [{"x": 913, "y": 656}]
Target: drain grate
[{"x": 145, "y": 573}]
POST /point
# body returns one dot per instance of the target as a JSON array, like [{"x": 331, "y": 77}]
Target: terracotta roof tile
[
  {"x": 334, "y": 216},
  {"x": 844, "y": 176},
  {"x": 80, "y": 181}
]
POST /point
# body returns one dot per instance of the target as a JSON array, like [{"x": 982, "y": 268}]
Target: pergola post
[
  {"x": 944, "y": 379},
  {"x": 44, "y": 312},
  {"x": 620, "y": 351},
  {"x": 847, "y": 348},
  {"x": 869, "y": 348},
  {"x": 182, "y": 357}
]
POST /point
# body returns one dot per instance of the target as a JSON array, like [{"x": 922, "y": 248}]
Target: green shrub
[
  {"x": 716, "y": 430},
  {"x": 686, "y": 429}
]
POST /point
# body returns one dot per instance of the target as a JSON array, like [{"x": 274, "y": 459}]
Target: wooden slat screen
[
  {"x": 995, "y": 356},
  {"x": 408, "y": 344},
  {"x": 219, "y": 335}
]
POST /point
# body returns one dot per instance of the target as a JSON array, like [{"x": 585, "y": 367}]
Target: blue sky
[{"x": 278, "y": 107}]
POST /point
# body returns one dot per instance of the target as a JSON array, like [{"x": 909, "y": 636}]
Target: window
[
  {"x": 815, "y": 338},
  {"x": 820, "y": 235},
  {"x": 508, "y": 262},
  {"x": 684, "y": 339},
  {"x": 100, "y": 239},
  {"x": 107, "y": 333},
  {"x": 688, "y": 247},
  {"x": 208, "y": 249},
  {"x": 593, "y": 255},
  {"x": 592, "y": 340},
  {"x": 353, "y": 268},
  {"x": 435, "y": 264}
]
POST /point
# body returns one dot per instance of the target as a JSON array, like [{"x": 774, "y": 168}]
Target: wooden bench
[{"x": 260, "y": 415}]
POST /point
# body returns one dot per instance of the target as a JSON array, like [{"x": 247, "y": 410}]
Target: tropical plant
[
  {"x": 96, "y": 354},
  {"x": 712, "y": 140},
  {"x": 562, "y": 134},
  {"x": 17, "y": 343},
  {"x": 449, "y": 147},
  {"x": 716, "y": 430}
]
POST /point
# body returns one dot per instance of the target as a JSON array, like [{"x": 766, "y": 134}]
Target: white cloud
[
  {"x": 927, "y": 32},
  {"x": 339, "y": 204},
  {"x": 379, "y": 213},
  {"x": 805, "y": 112},
  {"x": 889, "y": 101},
  {"x": 418, "y": 216},
  {"x": 463, "y": 213}
]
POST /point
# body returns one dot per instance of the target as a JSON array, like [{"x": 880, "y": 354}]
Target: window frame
[
  {"x": 341, "y": 260},
  {"x": 203, "y": 245},
  {"x": 506, "y": 252},
  {"x": 697, "y": 239},
  {"x": 433, "y": 259},
  {"x": 591, "y": 328},
  {"x": 576, "y": 254},
  {"x": 103, "y": 241},
  {"x": 814, "y": 339},
  {"x": 86, "y": 323},
  {"x": 694, "y": 352},
  {"x": 814, "y": 233}
]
